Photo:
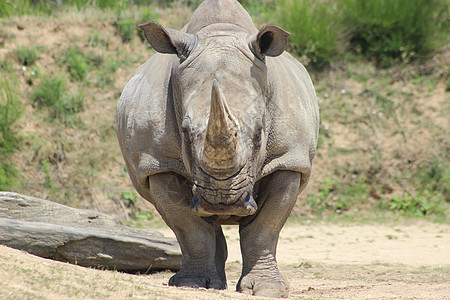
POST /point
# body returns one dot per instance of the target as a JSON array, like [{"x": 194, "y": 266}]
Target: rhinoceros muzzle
[
  {"x": 243, "y": 208},
  {"x": 223, "y": 197}
]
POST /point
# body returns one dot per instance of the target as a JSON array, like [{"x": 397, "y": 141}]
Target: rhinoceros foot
[
  {"x": 210, "y": 281},
  {"x": 263, "y": 285}
]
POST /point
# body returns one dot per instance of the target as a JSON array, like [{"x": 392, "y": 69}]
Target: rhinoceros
[{"x": 220, "y": 126}]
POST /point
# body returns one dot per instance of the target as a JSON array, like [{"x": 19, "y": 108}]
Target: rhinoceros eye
[
  {"x": 258, "y": 137},
  {"x": 186, "y": 134},
  {"x": 185, "y": 130}
]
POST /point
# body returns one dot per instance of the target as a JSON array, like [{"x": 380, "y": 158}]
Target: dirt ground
[{"x": 322, "y": 260}]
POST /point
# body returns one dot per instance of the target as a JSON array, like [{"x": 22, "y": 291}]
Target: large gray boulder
[{"x": 82, "y": 237}]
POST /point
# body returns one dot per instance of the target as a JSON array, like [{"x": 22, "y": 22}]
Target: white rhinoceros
[{"x": 220, "y": 127}]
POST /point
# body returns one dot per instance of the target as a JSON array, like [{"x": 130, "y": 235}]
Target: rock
[
  {"x": 20, "y": 207},
  {"x": 82, "y": 237}
]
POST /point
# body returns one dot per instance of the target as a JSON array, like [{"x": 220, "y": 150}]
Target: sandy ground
[{"x": 321, "y": 260}]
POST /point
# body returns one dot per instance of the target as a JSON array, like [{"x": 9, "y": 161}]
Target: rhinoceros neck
[{"x": 220, "y": 11}]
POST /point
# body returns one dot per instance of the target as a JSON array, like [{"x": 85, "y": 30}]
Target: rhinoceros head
[{"x": 220, "y": 89}]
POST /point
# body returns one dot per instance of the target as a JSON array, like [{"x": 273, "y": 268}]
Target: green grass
[
  {"x": 48, "y": 7},
  {"x": 421, "y": 204},
  {"x": 316, "y": 30},
  {"x": 10, "y": 112},
  {"x": 338, "y": 196},
  {"x": 126, "y": 28},
  {"x": 262, "y": 11},
  {"x": 430, "y": 195},
  {"x": 382, "y": 30},
  {"x": 77, "y": 64},
  {"x": 52, "y": 93},
  {"x": 434, "y": 176},
  {"x": 27, "y": 56},
  {"x": 387, "y": 30}
]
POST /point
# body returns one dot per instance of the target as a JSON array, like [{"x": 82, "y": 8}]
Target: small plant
[
  {"x": 27, "y": 55},
  {"x": 51, "y": 93},
  {"x": 422, "y": 204},
  {"x": 435, "y": 177},
  {"x": 126, "y": 29},
  {"x": 76, "y": 64},
  {"x": 136, "y": 216},
  {"x": 130, "y": 197}
]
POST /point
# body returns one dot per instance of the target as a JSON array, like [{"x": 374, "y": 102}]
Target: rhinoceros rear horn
[
  {"x": 165, "y": 40},
  {"x": 271, "y": 40}
]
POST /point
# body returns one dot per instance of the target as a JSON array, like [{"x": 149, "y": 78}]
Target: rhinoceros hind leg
[
  {"x": 259, "y": 236},
  {"x": 202, "y": 243}
]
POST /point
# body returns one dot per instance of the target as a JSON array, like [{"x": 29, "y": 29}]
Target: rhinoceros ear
[
  {"x": 271, "y": 40},
  {"x": 170, "y": 41}
]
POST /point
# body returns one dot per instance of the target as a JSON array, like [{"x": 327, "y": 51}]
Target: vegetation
[
  {"x": 51, "y": 93},
  {"x": 10, "y": 112},
  {"x": 316, "y": 29},
  {"x": 47, "y": 7},
  {"x": 126, "y": 28},
  {"x": 27, "y": 55},
  {"x": 401, "y": 29},
  {"x": 383, "y": 146},
  {"x": 382, "y": 30},
  {"x": 77, "y": 64}
]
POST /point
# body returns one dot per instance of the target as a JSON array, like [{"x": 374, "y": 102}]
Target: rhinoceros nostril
[
  {"x": 194, "y": 203},
  {"x": 250, "y": 204}
]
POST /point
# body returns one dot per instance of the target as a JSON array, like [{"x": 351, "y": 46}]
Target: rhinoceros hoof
[
  {"x": 197, "y": 281},
  {"x": 263, "y": 286}
]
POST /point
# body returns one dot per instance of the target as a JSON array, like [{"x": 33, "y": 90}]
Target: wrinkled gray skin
[{"x": 220, "y": 127}]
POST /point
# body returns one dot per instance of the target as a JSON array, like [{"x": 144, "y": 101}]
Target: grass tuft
[
  {"x": 126, "y": 28},
  {"x": 76, "y": 64},
  {"x": 51, "y": 93},
  {"x": 27, "y": 56}
]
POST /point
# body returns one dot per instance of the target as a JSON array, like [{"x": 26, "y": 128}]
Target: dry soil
[{"x": 403, "y": 260}]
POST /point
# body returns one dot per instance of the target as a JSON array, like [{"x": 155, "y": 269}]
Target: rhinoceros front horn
[{"x": 221, "y": 132}]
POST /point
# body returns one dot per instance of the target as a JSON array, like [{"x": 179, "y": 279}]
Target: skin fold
[{"x": 220, "y": 127}]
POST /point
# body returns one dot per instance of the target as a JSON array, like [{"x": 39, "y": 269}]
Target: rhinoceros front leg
[
  {"x": 202, "y": 244},
  {"x": 259, "y": 236}
]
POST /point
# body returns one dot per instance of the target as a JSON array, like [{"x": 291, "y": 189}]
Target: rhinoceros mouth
[
  {"x": 240, "y": 208},
  {"x": 230, "y": 196}
]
